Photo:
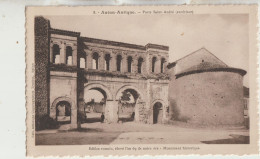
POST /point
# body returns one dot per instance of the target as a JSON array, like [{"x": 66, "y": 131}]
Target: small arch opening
[
  {"x": 56, "y": 53},
  {"x": 157, "y": 113},
  {"x": 162, "y": 64},
  {"x": 118, "y": 62},
  {"x": 153, "y": 64},
  {"x": 69, "y": 55},
  {"x": 107, "y": 62},
  {"x": 129, "y": 64},
  {"x": 63, "y": 112},
  {"x": 140, "y": 62},
  {"x": 95, "y": 58}
]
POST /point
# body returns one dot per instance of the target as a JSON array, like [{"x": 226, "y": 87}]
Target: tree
[{"x": 126, "y": 96}]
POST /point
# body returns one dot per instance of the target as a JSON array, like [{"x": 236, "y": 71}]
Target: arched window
[
  {"x": 68, "y": 55},
  {"x": 107, "y": 62},
  {"x": 153, "y": 64},
  {"x": 95, "y": 61},
  {"x": 82, "y": 62},
  {"x": 129, "y": 64},
  {"x": 118, "y": 62},
  {"x": 139, "y": 65},
  {"x": 162, "y": 64},
  {"x": 56, "y": 53},
  {"x": 63, "y": 111}
]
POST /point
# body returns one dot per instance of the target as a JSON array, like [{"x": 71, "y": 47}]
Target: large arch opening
[
  {"x": 95, "y": 99},
  {"x": 157, "y": 112},
  {"x": 63, "y": 112},
  {"x": 128, "y": 99}
]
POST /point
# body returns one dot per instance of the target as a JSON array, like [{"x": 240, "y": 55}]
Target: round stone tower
[{"x": 205, "y": 91}]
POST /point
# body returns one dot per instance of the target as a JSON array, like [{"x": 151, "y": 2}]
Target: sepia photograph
[{"x": 141, "y": 77}]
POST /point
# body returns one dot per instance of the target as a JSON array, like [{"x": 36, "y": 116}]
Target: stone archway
[
  {"x": 93, "y": 111},
  {"x": 159, "y": 111},
  {"x": 53, "y": 109},
  {"x": 90, "y": 86},
  {"x": 120, "y": 90},
  {"x": 137, "y": 105},
  {"x": 63, "y": 112}
]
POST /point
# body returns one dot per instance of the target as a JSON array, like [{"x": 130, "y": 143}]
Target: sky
[{"x": 224, "y": 35}]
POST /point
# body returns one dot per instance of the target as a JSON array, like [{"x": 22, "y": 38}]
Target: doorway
[{"x": 157, "y": 113}]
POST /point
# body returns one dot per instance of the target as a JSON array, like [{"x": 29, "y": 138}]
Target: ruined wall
[
  {"x": 159, "y": 93},
  {"x": 63, "y": 87},
  {"x": 41, "y": 67},
  {"x": 210, "y": 98}
]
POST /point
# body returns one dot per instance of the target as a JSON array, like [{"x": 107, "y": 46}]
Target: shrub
[{"x": 46, "y": 122}]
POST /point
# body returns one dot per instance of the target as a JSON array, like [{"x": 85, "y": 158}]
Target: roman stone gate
[{"x": 133, "y": 79}]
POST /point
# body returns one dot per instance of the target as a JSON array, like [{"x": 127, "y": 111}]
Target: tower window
[
  {"x": 118, "y": 62},
  {"x": 153, "y": 64},
  {"x": 107, "y": 62},
  {"x": 162, "y": 64},
  {"x": 68, "y": 55},
  {"x": 129, "y": 64},
  {"x": 139, "y": 65},
  {"x": 95, "y": 61},
  {"x": 56, "y": 53}
]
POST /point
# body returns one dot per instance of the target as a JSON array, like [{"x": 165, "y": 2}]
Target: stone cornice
[
  {"x": 227, "y": 69},
  {"x": 126, "y": 45},
  {"x": 64, "y": 32}
]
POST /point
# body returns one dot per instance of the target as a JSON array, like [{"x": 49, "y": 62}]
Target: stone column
[
  {"x": 89, "y": 59},
  {"x": 101, "y": 61},
  {"x": 51, "y": 54},
  {"x": 137, "y": 105},
  {"x": 74, "y": 107},
  {"x": 157, "y": 65},
  {"x": 111, "y": 111},
  {"x": 164, "y": 115},
  {"x": 74, "y": 56},
  {"x": 53, "y": 112},
  {"x": 148, "y": 64},
  {"x": 113, "y": 62},
  {"x": 63, "y": 53},
  {"x": 74, "y": 116},
  {"x": 124, "y": 63},
  {"x": 86, "y": 61},
  {"x": 144, "y": 67},
  {"x": 135, "y": 64}
]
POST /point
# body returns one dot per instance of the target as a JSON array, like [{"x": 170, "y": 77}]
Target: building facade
[
  {"x": 198, "y": 89},
  {"x": 206, "y": 91},
  {"x": 68, "y": 65}
]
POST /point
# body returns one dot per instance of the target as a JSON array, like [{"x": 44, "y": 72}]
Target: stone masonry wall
[
  {"x": 63, "y": 87},
  {"x": 41, "y": 67},
  {"x": 210, "y": 98}
]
